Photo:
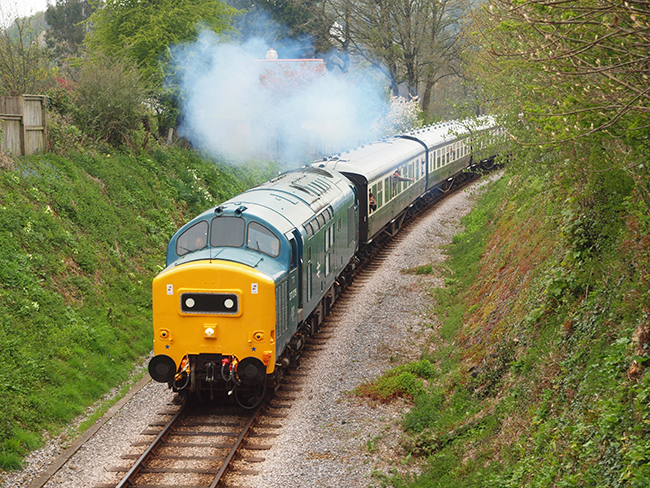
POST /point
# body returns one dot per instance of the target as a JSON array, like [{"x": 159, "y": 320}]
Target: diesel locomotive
[{"x": 248, "y": 281}]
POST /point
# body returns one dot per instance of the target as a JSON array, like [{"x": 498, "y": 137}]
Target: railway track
[{"x": 198, "y": 446}]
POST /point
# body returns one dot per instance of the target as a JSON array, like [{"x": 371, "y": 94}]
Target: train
[{"x": 248, "y": 281}]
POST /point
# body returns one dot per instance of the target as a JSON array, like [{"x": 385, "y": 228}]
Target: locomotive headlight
[
  {"x": 163, "y": 334},
  {"x": 228, "y": 303},
  {"x": 209, "y": 332},
  {"x": 189, "y": 303}
]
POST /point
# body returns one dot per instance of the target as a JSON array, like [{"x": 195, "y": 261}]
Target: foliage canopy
[{"x": 144, "y": 30}]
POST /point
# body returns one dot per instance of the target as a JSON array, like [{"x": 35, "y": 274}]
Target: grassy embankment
[
  {"x": 536, "y": 369},
  {"x": 80, "y": 240}
]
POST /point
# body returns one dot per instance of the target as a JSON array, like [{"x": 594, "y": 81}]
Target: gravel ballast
[{"x": 329, "y": 439}]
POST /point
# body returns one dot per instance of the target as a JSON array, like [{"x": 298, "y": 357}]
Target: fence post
[{"x": 23, "y": 129}]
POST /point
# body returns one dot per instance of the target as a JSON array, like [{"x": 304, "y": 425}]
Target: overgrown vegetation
[
  {"x": 81, "y": 238},
  {"x": 24, "y": 65}
]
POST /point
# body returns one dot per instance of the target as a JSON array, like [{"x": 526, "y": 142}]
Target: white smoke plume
[{"x": 240, "y": 106}]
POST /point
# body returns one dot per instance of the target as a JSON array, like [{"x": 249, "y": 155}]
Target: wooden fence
[{"x": 24, "y": 127}]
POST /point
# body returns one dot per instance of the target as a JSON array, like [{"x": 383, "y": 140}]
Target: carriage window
[
  {"x": 262, "y": 239},
  {"x": 193, "y": 239},
  {"x": 380, "y": 194},
  {"x": 227, "y": 232},
  {"x": 352, "y": 228}
]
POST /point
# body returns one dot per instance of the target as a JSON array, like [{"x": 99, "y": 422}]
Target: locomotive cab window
[
  {"x": 227, "y": 232},
  {"x": 263, "y": 240},
  {"x": 193, "y": 239}
]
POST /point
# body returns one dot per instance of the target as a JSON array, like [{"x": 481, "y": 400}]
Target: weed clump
[{"x": 406, "y": 381}]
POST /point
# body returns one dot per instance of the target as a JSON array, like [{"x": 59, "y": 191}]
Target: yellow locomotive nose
[{"x": 209, "y": 310}]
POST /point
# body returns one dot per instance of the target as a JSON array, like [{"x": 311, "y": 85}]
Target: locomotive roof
[
  {"x": 288, "y": 200},
  {"x": 282, "y": 204}
]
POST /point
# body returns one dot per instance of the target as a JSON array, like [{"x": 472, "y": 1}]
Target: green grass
[
  {"x": 405, "y": 380},
  {"x": 81, "y": 239}
]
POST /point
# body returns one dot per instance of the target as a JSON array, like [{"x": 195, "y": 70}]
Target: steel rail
[
  {"x": 149, "y": 451},
  {"x": 236, "y": 446}
]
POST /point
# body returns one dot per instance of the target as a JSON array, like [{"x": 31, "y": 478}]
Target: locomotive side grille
[
  {"x": 210, "y": 303},
  {"x": 281, "y": 304}
]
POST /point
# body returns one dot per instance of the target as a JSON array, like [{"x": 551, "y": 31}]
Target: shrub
[{"x": 111, "y": 99}]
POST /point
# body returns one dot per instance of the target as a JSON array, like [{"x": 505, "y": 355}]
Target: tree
[
  {"x": 412, "y": 41},
  {"x": 23, "y": 61},
  {"x": 570, "y": 68},
  {"x": 66, "y": 19},
  {"x": 296, "y": 27},
  {"x": 145, "y": 29}
]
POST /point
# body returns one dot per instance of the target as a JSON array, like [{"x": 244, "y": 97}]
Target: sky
[{"x": 11, "y": 9}]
